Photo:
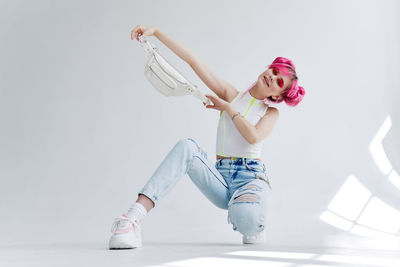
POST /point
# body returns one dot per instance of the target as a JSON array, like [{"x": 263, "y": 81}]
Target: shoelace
[{"x": 118, "y": 221}]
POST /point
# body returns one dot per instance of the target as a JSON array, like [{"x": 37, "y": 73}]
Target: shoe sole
[
  {"x": 121, "y": 242},
  {"x": 253, "y": 243},
  {"x": 260, "y": 240}
]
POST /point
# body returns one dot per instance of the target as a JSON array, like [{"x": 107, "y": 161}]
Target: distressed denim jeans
[{"x": 240, "y": 185}]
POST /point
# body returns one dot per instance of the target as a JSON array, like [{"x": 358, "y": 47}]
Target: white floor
[{"x": 190, "y": 254}]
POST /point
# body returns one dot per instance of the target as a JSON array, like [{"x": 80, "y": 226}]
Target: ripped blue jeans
[{"x": 240, "y": 185}]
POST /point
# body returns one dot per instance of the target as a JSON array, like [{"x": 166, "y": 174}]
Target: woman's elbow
[{"x": 253, "y": 140}]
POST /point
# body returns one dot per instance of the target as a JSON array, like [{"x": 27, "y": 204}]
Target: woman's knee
[
  {"x": 246, "y": 218},
  {"x": 246, "y": 210},
  {"x": 186, "y": 143},
  {"x": 192, "y": 147}
]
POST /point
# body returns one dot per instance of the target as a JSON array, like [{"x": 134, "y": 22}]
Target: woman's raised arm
[{"x": 219, "y": 86}]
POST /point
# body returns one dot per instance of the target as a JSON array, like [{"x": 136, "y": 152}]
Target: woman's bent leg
[
  {"x": 247, "y": 207},
  {"x": 186, "y": 157}
]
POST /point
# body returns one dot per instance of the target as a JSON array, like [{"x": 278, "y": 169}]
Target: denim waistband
[
  {"x": 238, "y": 161},
  {"x": 256, "y": 166}
]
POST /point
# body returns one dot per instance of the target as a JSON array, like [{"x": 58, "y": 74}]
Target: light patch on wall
[
  {"x": 377, "y": 150},
  {"x": 394, "y": 178},
  {"x": 354, "y": 209},
  {"x": 350, "y": 199},
  {"x": 379, "y": 215}
]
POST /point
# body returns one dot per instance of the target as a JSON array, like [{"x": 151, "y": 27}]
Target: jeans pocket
[{"x": 257, "y": 167}]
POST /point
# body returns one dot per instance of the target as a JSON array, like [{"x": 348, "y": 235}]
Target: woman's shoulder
[{"x": 272, "y": 110}]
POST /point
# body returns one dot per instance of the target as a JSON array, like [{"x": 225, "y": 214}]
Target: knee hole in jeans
[
  {"x": 253, "y": 186},
  {"x": 247, "y": 197}
]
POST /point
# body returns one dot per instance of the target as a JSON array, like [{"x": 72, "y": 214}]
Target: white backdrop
[{"x": 81, "y": 130}]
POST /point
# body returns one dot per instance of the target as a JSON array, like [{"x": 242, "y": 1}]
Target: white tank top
[{"x": 230, "y": 143}]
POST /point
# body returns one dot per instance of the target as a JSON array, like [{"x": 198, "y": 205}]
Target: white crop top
[{"x": 230, "y": 143}]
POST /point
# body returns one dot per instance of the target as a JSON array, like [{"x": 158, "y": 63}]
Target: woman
[{"x": 238, "y": 181}]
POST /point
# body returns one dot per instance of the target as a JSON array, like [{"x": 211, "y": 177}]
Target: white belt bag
[{"x": 165, "y": 77}]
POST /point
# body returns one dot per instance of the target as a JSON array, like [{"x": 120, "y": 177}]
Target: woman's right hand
[{"x": 143, "y": 30}]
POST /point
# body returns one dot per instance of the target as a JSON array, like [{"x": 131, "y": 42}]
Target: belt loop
[{"x": 247, "y": 166}]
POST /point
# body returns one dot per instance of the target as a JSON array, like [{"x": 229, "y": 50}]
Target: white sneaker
[
  {"x": 126, "y": 234},
  {"x": 257, "y": 239}
]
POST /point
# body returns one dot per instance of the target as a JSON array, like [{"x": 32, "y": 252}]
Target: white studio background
[{"x": 81, "y": 130}]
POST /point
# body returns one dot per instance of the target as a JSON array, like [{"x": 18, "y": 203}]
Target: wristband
[{"x": 234, "y": 115}]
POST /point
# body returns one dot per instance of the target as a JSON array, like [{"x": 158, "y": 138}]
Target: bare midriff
[{"x": 221, "y": 157}]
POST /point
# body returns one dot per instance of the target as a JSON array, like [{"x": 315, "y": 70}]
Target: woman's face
[{"x": 273, "y": 83}]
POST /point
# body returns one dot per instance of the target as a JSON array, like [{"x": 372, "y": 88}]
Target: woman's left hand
[{"x": 219, "y": 104}]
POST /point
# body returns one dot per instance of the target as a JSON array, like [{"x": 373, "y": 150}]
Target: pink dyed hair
[{"x": 293, "y": 94}]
